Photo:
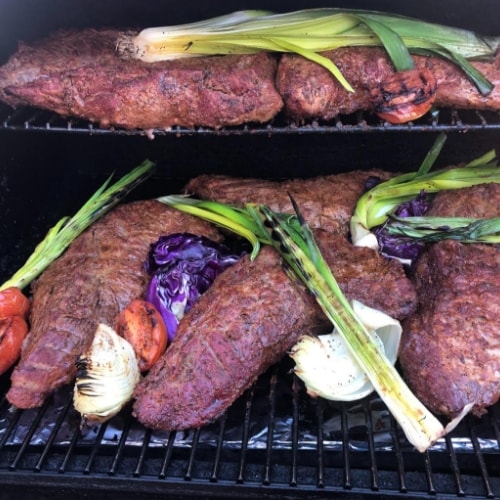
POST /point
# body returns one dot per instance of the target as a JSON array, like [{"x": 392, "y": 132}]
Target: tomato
[
  {"x": 13, "y": 330},
  {"x": 13, "y": 302},
  {"x": 141, "y": 324}
]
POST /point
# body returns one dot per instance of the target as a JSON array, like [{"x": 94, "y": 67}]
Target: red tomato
[
  {"x": 141, "y": 324},
  {"x": 13, "y": 302},
  {"x": 13, "y": 330}
]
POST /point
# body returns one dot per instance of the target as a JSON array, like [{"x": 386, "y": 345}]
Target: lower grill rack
[{"x": 275, "y": 441}]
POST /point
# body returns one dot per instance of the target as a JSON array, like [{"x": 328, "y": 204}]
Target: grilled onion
[{"x": 106, "y": 376}]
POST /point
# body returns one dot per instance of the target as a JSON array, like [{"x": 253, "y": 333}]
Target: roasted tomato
[
  {"x": 141, "y": 324},
  {"x": 405, "y": 96},
  {"x": 13, "y": 330},
  {"x": 13, "y": 302}
]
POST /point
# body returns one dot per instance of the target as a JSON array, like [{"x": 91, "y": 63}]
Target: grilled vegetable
[
  {"x": 379, "y": 203},
  {"x": 309, "y": 32},
  {"x": 142, "y": 326},
  {"x": 106, "y": 376},
  {"x": 13, "y": 303},
  {"x": 292, "y": 238},
  {"x": 13, "y": 330},
  {"x": 326, "y": 365},
  {"x": 67, "y": 229},
  {"x": 183, "y": 266}
]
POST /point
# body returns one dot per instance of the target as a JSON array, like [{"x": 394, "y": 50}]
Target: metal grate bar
[
  {"x": 428, "y": 473},
  {"x": 270, "y": 427},
  {"x": 194, "y": 446},
  {"x": 446, "y": 121},
  {"x": 13, "y": 424},
  {"x": 295, "y": 431},
  {"x": 143, "y": 453},
  {"x": 245, "y": 436},
  {"x": 454, "y": 466},
  {"x": 71, "y": 448},
  {"x": 218, "y": 450},
  {"x": 371, "y": 446},
  {"x": 34, "y": 425},
  {"x": 398, "y": 454},
  {"x": 345, "y": 446},
  {"x": 95, "y": 448},
  {"x": 53, "y": 435},
  {"x": 480, "y": 458},
  {"x": 168, "y": 455},
  {"x": 320, "y": 409}
]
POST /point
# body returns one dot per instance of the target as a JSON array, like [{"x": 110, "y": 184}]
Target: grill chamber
[{"x": 275, "y": 442}]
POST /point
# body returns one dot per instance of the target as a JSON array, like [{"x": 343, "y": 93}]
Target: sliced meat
[
  {"x": 78, "y": 73},
  {"x": 326, "y": 202},
  {"x": 310, "y": 91},
  {"x": 450, "y": 349},
  {"x": 99, "y": 274},
  {"x": 246, "y": 322}
]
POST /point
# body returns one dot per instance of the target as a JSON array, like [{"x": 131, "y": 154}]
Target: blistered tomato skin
[
  {"x": 13, "y": 303},
  {"x": 13, "y": 330},
  {"x": 142, "y": 326}
]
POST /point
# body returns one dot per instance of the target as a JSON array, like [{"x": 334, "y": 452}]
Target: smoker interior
[{"x": 275, "y": 441}]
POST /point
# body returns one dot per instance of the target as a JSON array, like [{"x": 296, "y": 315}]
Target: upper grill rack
[
  {"x": 446, "y": 120},
  {"x": 300, "y": 449}
]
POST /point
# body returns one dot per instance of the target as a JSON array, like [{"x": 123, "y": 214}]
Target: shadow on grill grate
[
  {"x": 443, "y": 121},
  {"x": 273, "y": 438}
]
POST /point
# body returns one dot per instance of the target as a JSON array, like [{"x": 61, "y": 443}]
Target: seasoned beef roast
[
  {"x": 326, "y": 202},
  {"x": 310, "y": 91},
  {"x": 450, "y": 349},
  {"x": 78, "y": 73},
  {"x": 99, "y": 274},
  {"x": 247, "y": 321}
]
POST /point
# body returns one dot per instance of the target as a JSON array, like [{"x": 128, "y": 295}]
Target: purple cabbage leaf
[{"x": 182, "y": 267}]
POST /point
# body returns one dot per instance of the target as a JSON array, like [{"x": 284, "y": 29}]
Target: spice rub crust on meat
[
  {"x": 310, "y": 92},
  {"x": 99, "y": 274},
  {"x": 78, "y": 73},
  {"x": 450, "y": 348}
]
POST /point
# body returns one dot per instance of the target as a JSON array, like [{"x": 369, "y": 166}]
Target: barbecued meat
[
  {"x": 326, "y": 202},
  {"x": 450, "y": 349},
  {"x": 78, "y": 73},
  {"x": 310, "y": 91},
  {"x": 247, "y": 321},
  {"x": 96, "y": 277}
]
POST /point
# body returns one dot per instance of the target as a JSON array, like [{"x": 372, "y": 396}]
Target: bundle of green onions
[
  {"x": 312, "y": 31},
  {"x": 377, "y": 205},
  {"x": 67, "y": 229},
  {"x": 293, "y": 239}
]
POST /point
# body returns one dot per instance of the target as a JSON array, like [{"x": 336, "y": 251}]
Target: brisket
[
  {"x": 326, "y": 202},
  {"x": 99, "y": 274},
  {"x": 79, "y": 74},
  {"x": 450, "y": 348},
  {"x": 310, "y": 91}
]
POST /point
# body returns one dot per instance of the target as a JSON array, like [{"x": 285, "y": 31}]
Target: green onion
[
  {"x": 310, "y": 31},
  {"x": 60, "y": 236},
  {"x": 375, "y": 206},
  {"x": 430, "y": 229},
  {"x": 292, "y": 238}
]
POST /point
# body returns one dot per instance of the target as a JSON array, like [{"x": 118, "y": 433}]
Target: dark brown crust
[
  {"x": 91, "y": 282},
  {"x": 449, "y": 350},
  {"x": 79, "y": 74},
  {"x": 326, "y": 202},
  {"x": 310, "y": 92}
]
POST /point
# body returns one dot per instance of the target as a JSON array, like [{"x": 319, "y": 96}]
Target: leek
[
  {"x": 376, "y": 205},
  {"x": 310, "y": 31},
  {"x": 292, "y": 238},
  {"x": 59, "y": 237}
]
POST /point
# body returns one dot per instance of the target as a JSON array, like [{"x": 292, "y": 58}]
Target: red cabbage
[
  {"x": 400, "y": 246},
  {"x": 183, "y": 266}
]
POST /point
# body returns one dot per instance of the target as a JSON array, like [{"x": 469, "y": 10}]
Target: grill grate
[
  {"x": 446, "y": 120},
  {"x": 274, "y": 440}
]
